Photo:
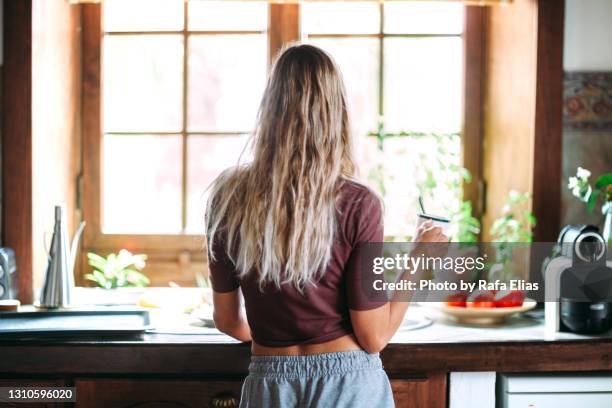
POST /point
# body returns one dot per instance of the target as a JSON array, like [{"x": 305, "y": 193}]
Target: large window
[
  {"x": 178, "y": 83},
  {"x": 179, "y": 101},
  {"x": 402, "y": 65}
]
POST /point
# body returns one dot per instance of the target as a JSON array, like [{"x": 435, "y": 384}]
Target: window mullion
[
  {"x": 381, "y": 62},
  {"x": 184, "y": 129}
]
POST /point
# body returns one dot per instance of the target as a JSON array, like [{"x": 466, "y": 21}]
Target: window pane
[
  {"x": 423, "y": 18},
  {"x": 142, "y": 184},
  {"x": 423, "y": 84},
  {"x": 411, "y": 158},
  {"x": 358, "y": 61},
  {"x": 143, "y": 15},
  {"x": 227, "y": 75},
  {"x": 143, "y": 83},
  {"x": 228, "y": 15},
  {"x": 341, "y": 18},
  {"x": 208, "y": 157}
]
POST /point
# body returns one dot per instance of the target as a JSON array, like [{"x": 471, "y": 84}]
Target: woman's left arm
[{"x": 229, "y": 315}]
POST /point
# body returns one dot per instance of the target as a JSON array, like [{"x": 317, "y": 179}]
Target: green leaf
[
  {"x": 530, "y": 218},
  {"x": 603, "y": 181},
  {"x": 136, "y": 278},
  {"x": 592, "y": 200},
  {"x": 96, "y": 261}
]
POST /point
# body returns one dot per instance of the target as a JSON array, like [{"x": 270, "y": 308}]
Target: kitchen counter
[{"x": 184, "y": 348}]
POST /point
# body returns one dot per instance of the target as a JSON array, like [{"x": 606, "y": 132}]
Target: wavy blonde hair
[{"x": 277, "y": 215}]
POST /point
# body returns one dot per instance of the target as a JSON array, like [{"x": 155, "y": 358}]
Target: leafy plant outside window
[{"x": 117, "y": 270}]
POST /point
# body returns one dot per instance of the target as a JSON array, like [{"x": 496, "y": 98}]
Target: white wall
[{"x": 588, "y": 35}]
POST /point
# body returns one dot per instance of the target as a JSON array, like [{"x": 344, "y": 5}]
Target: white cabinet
[{"x": 555, "y": 391}]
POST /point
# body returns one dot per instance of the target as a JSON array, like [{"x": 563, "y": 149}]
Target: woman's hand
[{"x": 427, "y": 232}]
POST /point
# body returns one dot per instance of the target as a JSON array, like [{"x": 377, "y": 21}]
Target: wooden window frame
[
  {"x": 185, "y": 252},
  {"x": 182, "y": 251}
]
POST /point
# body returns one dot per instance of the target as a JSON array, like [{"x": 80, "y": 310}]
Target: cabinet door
[
  {"x": 117, "y": 393},
  {"x": 30, "y": 383},
  {"x": 424, "y": 392}
]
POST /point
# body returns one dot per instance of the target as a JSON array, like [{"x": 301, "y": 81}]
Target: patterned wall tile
[
  {"x": 587, "y": 137},
  {"x": 587, "y": 103}
]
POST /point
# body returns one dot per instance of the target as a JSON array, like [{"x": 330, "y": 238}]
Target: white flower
[
  {"x": 583, "y": 173},
  {"x": 573, "y": 183}
]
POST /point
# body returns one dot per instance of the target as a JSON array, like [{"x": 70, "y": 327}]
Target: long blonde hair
[{"x": 277, "y": 214}]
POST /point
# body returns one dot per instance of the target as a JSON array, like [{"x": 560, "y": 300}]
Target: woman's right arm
[
  {"x": 375, "y": 327},
  {"x": 228, "y": 312}
]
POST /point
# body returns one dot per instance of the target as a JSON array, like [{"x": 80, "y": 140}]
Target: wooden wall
[
  {"x": 17, "y": 139},
  {"x": 522, "y": 110},
  {"x": 56, "y": 114},
  {"x": 40, "y": 119}
]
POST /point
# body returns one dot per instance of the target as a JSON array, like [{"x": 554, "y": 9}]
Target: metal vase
[{"x": 59, "y": 278}]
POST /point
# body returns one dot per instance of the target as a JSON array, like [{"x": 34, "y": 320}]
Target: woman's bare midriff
[{"x": 344, "y": 343}]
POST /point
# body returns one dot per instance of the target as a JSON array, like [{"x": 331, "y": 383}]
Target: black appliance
[{"x": 585, "y": 288}]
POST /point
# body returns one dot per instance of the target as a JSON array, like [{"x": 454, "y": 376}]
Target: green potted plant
[
  {"x": 120, "y": 270},
  {"x": 118, "y": 278}
]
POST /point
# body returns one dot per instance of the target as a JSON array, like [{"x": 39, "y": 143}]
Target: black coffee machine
[{"x": 579, "y": 283}]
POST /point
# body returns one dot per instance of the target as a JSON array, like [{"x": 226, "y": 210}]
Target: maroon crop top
[{"x": 285, "y": 317}]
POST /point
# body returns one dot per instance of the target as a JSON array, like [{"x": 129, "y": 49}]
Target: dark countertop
[{"x": 520, "y": 346}]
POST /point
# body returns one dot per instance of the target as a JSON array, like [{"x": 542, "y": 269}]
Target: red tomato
[
  {"x": 481, "y": 298},
  {"x": 509, "y": 298},
  {"x": 456, "y": 300}
]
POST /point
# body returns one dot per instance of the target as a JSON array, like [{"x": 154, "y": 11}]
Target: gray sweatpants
[{"x": 348, "y": 379}]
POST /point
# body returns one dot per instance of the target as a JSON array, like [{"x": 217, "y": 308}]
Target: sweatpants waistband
[{"x": 314, "y": 364}]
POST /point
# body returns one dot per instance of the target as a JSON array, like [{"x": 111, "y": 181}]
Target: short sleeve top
[{"x": 284, "y": 316}]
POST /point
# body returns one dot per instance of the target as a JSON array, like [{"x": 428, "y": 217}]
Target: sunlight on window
[
  {"x": 179, "y": 102},
  {"x": 142, "y": 185},
  {"x": 350, "y": 17},
  {"x": 411, "y": 86},
  {"x": 224, "y": 92},
  {"x": 423, "y": 17},
  {"x": 227, "y": 15},
  {"x": 422, "y": 88},
  {"x": 207, "y": 156},
  {"x": 142, "y": 77},
  {"x": 128, "y": 15},
  {"x": 172, "y": 124}
]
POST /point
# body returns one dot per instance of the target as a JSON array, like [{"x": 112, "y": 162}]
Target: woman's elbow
[
  {"x": 224, "y": 325},
  {"x": 372, "y": 344}
]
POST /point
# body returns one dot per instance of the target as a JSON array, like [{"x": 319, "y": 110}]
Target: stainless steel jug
[{"x": 59, "y": 277}]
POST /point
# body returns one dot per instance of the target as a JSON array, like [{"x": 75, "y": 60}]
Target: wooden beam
[
  {"x": 473, "y": 67},
  {"x": 522, "y": 110},
  {"x": 548, "y": 139},
  {"x": 91, "y": 120},
  {"x": 17, "y": 140},
  {"x": 284, "y": 26}
]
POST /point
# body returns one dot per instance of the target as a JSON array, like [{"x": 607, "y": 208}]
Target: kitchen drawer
[
  {"x": 569, "y": 400},
  {"x": 555, "y": 390},
  {"x": 117, "y": 393},
  {"x": 420, "y": 392}
]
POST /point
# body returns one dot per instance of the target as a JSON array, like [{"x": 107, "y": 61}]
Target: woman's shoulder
[
  {"x": 358, "y": 200},
  {"x": 354, "y": 192},
  {"x": 360, "y": 211}
]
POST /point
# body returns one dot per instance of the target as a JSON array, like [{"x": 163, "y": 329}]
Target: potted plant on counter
[{"x": 118, "y": 278}]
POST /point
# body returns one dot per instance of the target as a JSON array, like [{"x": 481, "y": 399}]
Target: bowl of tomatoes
[{"x": 486, "y": 307}]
